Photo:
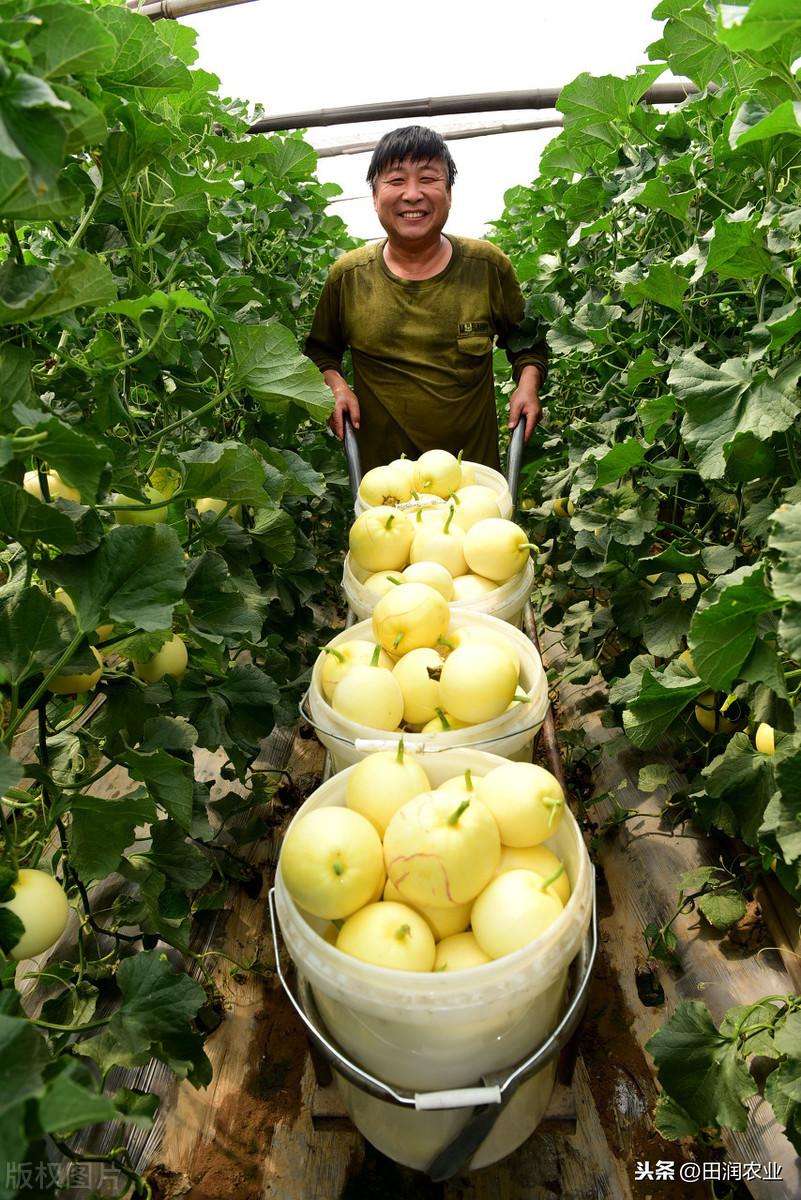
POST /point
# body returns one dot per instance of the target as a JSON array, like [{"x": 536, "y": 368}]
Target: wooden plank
[{"x": 640, "y": 865}]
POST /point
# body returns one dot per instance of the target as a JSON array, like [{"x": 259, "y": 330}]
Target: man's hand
[
  {"x": 524, "y": 402},
  {"x": 344, "y": 402}
]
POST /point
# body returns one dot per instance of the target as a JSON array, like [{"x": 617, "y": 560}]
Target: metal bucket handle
[
  {"x": 495, "y": 1093},
  {"x": 369, "y": 745}
]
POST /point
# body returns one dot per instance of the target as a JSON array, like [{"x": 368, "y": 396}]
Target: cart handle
[
  {"x": 514, "y": 458},
  {"x": 513, "y": 461},
  {"x": 351, "y": 455}
]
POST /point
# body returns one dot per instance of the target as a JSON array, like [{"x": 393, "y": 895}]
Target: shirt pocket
[{"x": 474, "y": 344}]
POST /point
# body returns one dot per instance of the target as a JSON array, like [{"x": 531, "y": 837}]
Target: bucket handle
[
  {"x": 495, "y": 1093},
  {"x": 368, "y": 745}
]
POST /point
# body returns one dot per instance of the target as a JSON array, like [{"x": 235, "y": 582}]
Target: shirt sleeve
[
  {"x": 520, "y": 338},
  {"x": 325, "y": 344}
]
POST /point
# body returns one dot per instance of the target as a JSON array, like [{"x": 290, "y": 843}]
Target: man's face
[{"x": 413, "y": 200}]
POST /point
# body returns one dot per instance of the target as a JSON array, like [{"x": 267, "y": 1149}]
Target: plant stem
[{"x": 42, "y": 688}]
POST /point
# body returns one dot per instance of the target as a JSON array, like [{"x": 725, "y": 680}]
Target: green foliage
[
  {"x": 666, "y": 271},
  {"x": 158, "y": 270},
  {"x": 662, "y": 250},
  {"x": 704, "y": 1072}
]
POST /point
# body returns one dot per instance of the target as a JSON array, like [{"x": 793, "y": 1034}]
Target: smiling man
[{"x": 421, "y": 312}]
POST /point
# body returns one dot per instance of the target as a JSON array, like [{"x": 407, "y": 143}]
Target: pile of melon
[
  {"x": 419, "y": 673},
  {"x": 464, "y": 551},
  {"x": 435, "y": 476},
  {"x": 416, "y": 879}
]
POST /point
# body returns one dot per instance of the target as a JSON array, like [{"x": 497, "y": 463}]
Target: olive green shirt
[{"x": 422, "y": 349}]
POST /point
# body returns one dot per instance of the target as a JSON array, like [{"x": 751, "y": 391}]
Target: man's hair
[{"x": 414, "y": 142}]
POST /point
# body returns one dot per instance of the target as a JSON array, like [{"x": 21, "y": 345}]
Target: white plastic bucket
[
  {"x": 506, "y": 602},
  {"x": 434, "y": 1031},
  {"x": 510, "y": 735},
  {"x": 486, "y": 476}
]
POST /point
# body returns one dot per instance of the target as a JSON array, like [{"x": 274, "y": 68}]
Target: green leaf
[
  {"x": 15, "y": 371},
  {"x": 595, "y": 101},
  {"x": 237, "y": 710},
  {"x": 29, "y": 520},
  {"x": 78, "y": 458},
  {"x": 218, "y": 605},
  {"x": 722, "y": 909},
  {"x": 763, "y": 666},
  {"x": 78, "y": 279},
  {"x": 665, "y": 629},
  {"x": 268, "y": 364},
  {"x": 756, "y": 25},
  {"x": 287, "y": 158},
  {"x": 700, "y": 1069},
  {"x": 142, "y": 60},
  {"x": 781, "y": 1091},
  {"x": 785, "y": 537},
  {"x": 11, "y": 771},
  {"x": 23, "y": 1057},
  {"x": 787, "y": 1037},
  {"x": 689, "y": 43},
  {"x": 662, "y": 284},
  {"x": 672, "y": 1121},
  {"x": 177, "y": 859},
  {"x": 744, "y": 779},
  {"x": 225, "y": 471},
  {"x": 168, "y": 302},
  {"x": 737, "y": 249},
  {"x": 697, "y": 878},
  {"x": 11, "y": 929},
  {"x": 782, "y": 324},
  {"x": 653, "y": 414},
  {"x": 744, "y": 1018},
  {"x": 274, "y": 530},
  {"x": 157, "y": 1002},
  {"x": 168, "y": 779},
  {"x": 654, "y": 776},
  {"x": 657, "y": 195},
  {"x": 34, "y": 633},
  {"x": 755, "y": 123},
  {"x": 137, "y": 574},
  {"x": 102, "y": 828},
  {"x": 85, "y": 124},
  {"x": 722, "y": 402},
  {"x": 645, "y": 366},
  {"x": 167, "y": 733},
  {"x": 137, "y": 1108},
  {"x": 660, "y": 700},
  {"x": 725, "y": 625},
  {"x": 618, "y": 461},
  {"x": 31, "y": 139},
  {"x": 68, "y": 1104},
  {"x": 70, "y": 41}
]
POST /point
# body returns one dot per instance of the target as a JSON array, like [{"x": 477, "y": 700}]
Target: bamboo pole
[
  {"x": 170, "y": 10},
  {"x": 433, "y": 106},
  {"x": 453, "y": 136}
]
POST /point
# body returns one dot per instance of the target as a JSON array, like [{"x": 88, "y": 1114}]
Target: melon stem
[
  {"x": 546, "y": 883},
  {"x": 457, "y": 812},
  {"x": 338, "y": 655}
]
